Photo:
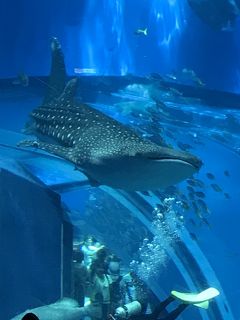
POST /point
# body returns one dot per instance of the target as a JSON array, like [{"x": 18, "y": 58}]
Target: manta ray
[{"x": 105, "y": 150}]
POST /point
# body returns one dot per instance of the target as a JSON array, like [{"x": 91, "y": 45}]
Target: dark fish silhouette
[
  {"x": 216, "y": 187},
  {"x": 210, "y": 176},
  {"x": 193, "y": 236},
  {"x": 196, "y": 183},
  {"x": 227, "y": 195},
  {"x": 184, "y": 146},
  {"x": 200, "y": 194},
  {"x": 226, "y": 173},
  {"x": 203, "y": 206}
]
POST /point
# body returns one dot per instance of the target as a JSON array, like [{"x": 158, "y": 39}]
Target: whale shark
[{"x": 106, "y": 151}]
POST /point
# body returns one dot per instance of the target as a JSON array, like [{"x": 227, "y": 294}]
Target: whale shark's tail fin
[
  {"x": 57, "y": 78},
  {"x": 200, "y": 300}
]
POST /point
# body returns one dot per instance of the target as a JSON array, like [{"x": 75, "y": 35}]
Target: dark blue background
[{"x": 100, "y": 34}]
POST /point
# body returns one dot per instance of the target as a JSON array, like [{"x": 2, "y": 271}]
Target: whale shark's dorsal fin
[
  {"x": 57, "y": 78},
  {"x": 66, "y": 99}
]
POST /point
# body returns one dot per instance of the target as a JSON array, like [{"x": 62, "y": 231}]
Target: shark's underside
[{"x": 106, "y": 151}]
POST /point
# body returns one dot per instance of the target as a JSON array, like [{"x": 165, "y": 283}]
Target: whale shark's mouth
[
  {"x": 194, "y": 162},
  {"x": 143, "y": 173}
]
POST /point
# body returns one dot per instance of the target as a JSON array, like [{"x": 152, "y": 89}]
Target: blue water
[{"x": 99, "y": 36}]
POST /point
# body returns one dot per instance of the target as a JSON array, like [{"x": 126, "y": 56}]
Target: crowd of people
[
  {"x": 100, "y": 285},
  {"x": 104, "y": 290}
]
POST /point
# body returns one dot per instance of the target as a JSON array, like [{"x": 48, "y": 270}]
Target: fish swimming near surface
[
  {"x": 143, "y": 32},
  {"x": 105, "y": 150}
]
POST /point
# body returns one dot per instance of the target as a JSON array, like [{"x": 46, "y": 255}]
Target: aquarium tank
[{"x": 119, "y": 160}]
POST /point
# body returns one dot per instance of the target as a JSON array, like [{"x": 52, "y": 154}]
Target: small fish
[
  {"x": 200, "y": 143},
  {"x": 169, "y": 134},
  {"x": 226, "y": 195},
  {"x": 185, "y": 205},
  {"x": 155, "y": 76},
  {"x": 160, "y": 207},
  {"x": 196, "y": 183},
  {"x": 205, "y": 221},
  {"x": 193, "y": 236},
  {"x": 171, "y": 190},
  {"x": 199, "y": 183},
  {"x": 226, "y": 173},
  {"x": 210, "y": 176},
  {"x": 197, "y": 210},
  {"x": 171, "y": 76},
  {"x": 183, "y": 197},
  {"x": 140, "y": 32},
  {"x": 190, "y": 189},
  {"x": 191, "y": 195},
  {"x": 145, "y": 193},
  {"x": 199, "y": 82},
  {"x": 192, "y": 222},
  {"x": 190, "y": 72},
  {"x": 219, "y": 137},
  {"x": 175, "y": 91},
  {"x": 226, "y": 308},
  {"x": 191, "y": 182},
  {"x": 200, "y": 194},
  {"x": 232, "y": 254},
  {"x": 203, "y": 206},
  {"x": 161, "y": 105},
  {"x": 216, "y": 187},
  {"x": 22, "y": 79},
  {"x": 184, "y": 146}
]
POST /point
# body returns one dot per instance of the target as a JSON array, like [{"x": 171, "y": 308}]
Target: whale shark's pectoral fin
[
  {"x": 64, "y": 152},
  {"x": 92, "y": 181}
]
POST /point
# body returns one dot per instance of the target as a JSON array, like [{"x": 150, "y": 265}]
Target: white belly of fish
[{"x": 141, "y": 175}]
